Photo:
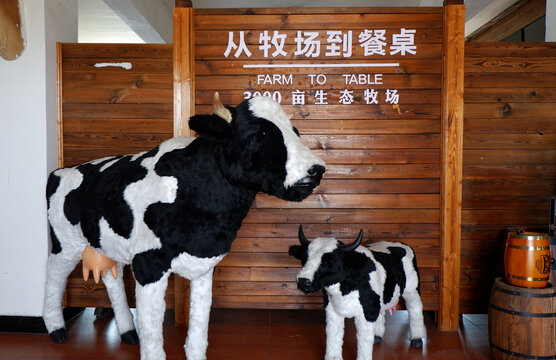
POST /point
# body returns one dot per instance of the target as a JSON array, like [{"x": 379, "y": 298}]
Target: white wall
[{"x": 28, "y": 152}]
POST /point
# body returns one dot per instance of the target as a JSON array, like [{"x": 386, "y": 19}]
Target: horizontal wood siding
[
  {"x": 111, "y": 111},
  {"x": 509, "y": 156},
  {"x": 383, "y": 161}
]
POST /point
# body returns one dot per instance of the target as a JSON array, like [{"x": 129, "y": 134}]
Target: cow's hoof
[
  {"x": 59, "y": 335},
  {"x": 378, "y": 339},
  {"x": 130, "y": 337},
  {"x": 416, "y": 343}
]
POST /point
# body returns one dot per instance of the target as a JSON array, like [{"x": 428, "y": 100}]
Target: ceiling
[{"x": 132, "y": 21}]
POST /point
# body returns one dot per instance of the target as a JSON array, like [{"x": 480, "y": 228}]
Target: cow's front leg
[
  {"x": 116, "y": 293},
  {"x": 334, "y": 334},
  {"x": 200, "y": 299},
  {"x": 150, "y": 316},
  {"x": 365, "y": 338}
]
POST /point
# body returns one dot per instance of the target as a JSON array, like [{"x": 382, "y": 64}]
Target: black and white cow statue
[
  {"x": 362, "y": 283},
  {"x": 174, "y": 209}
]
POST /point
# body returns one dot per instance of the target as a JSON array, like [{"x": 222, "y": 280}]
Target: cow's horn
[
  {"x": 220, "y": 109},
  {"x": 354, "y": 244},
  {"x": 302, "y": 239}
]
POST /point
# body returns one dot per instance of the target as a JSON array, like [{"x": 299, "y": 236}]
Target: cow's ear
[{"x": 211, "y": 127}]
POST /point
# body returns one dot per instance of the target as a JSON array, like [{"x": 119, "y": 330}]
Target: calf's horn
[
  {"x": 354, "y": 244},
  {"x": 302, "y": 239},
  {"x": 220, "y": 109}
]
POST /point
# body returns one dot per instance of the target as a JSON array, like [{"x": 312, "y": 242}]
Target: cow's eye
[
  {"x": 261, "y": 134},
  {"x": 295, "y": 130}
]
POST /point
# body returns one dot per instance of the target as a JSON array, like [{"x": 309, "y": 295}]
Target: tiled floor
[{"x": 253, "y": 334}]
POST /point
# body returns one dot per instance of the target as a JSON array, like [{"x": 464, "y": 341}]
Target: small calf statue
[{"x": 360, "y": 282}]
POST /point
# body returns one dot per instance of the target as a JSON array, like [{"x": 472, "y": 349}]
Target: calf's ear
[
  {"x": 211, "y": 127},
  {"x": 298, "y": 252}
]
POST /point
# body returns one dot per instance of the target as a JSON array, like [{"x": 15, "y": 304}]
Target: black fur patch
[
  {"x": 204, "y": 218},
  {"x": 370, "y": 302},
  {"x": 51, "y": 187},
  {"x": 395, "y": 274},
  {"x": 299, "y": 252},
  {"x": 56, "y": 246},
  {"x": 130, "y": 337},
  {"x": 325, "y": 300},
  {"x": 256, "y": 155},
  {"x": 357, "y": 269},
  {"x": 211, "y": 127},
  {"x": 59, "y": 335},
  {"x": 101, "y": 194}
]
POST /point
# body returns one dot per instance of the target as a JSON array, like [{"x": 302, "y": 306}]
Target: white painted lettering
[
  {"x": 280, "y": 79},
  {"x": 362, "y": 79}
]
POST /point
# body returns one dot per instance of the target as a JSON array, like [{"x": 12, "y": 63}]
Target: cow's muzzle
[
  {"x": 304, "y": 187},
  {"x": 313, "y": 178},
  {"x": 305, "y": 285}
]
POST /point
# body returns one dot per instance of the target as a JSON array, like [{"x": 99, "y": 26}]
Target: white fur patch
[
  {"x": 192, "y": 267},
  {"x": 344, "y": 305},
  {"x": 300, "y": 158},
  {"x": 317, "y": 248}
]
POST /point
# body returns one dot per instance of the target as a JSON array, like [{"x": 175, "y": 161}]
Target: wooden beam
[
  {"x": 514, "y": 18},
  {"x": 183, "y": 3},
  {"x": 60, "y": 121},
  {"x": 184, "y": 67},
  {"x": 184, "y": 107},
  {"x": 451, "y": 164}
]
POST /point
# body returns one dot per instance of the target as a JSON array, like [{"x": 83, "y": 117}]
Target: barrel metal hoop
[
  {"x": 524, "y": 294},
  {"x": 527, "y": 278},
  {"x": 530, "y": 248},
  {"x": 521, "y": 313},
  {"x": 525, "y": 356}
]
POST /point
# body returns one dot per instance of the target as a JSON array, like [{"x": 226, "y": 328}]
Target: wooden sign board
[{"x": 364, "y": 87}]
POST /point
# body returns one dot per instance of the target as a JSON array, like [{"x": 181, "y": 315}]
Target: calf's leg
[
  {"x": 334, "y": 334},
  {"x": 200, "y": 299},
  {"x": 379, "y": 329},
  {"x": 417, "y": 330},
  {"x": 365, "y": 338},
  {"x": 150, "y": 316},
  {"x": 124, "y": 318},
  {"x": 58, "y": 268}
]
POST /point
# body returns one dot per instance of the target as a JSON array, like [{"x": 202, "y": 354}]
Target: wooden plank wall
[
  {"x": 112, "y": 111},
  {"x": 382, "y": 160},
  {"x": 509, "y": 155},
  {"x": 383, "y": 167}
]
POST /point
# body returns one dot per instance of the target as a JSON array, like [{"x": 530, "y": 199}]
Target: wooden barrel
[
  {"x": 522, "y": 322},
  {"x": 527, "y": 259}
]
